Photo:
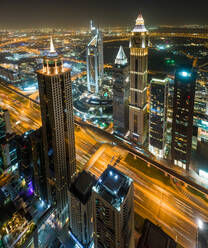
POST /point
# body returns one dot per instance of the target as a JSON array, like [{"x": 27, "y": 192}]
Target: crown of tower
[
  {"x": 121, "y": 58},
  {"x": 140, "y": 20},
  {"x": 139, "y": 27}
]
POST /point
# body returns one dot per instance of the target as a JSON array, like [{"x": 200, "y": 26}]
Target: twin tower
[{"x": 138, "y": 82}]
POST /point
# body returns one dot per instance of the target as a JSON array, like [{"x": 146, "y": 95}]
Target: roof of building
[
  {"x": 52, "y": 52},
  {"x": 121, "y": 58},
  {"x": 160, "y": 78},
  {"x": 113, "y": 186},
  {"x": 153, "y": 236},
  {"x": 139, "y": 27},
  {"x": 82, "y": 186}
]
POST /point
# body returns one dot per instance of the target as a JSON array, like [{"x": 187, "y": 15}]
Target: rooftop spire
[
  {"x": 52, "y": 49},
  {"x": 139, "y": 27},
  {"x": 121, "y": 58}
]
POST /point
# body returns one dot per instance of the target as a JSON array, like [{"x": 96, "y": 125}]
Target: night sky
[{"x": 70, "y": 13}]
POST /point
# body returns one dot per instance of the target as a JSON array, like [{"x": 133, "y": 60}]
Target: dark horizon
[{"x": 23, "y": 14}]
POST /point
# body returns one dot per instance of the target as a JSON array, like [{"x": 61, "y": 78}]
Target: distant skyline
[{"x": 75, "y": 13}]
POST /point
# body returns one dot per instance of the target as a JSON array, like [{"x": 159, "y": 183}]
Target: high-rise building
[
  {"x": 121, "y": 93},
  {"x": 158, "y": 115},
  {"x": 80, "y": 208},
  {"x": 113, "y": 210},
  {"x": 154, "y": 236},
  {"x": 138, "y": 82},
  {"x": 182, "y": 124},
  {"x": 55, "y": 92},
  {"x": 8, "y": 153},
  {"x": 95, "y": 60},
  {"x": 5, "y": 125}
]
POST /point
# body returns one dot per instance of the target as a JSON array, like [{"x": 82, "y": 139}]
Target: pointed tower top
[
  {"x": 52, "y": 49},
  {"x": 139, "y": 27},
  {"x": 140, "y": 20},
  {"x": 121, "y": 58}
]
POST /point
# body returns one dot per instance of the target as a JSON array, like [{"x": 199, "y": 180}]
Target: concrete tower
[
  {"x": 95, "y": 60},
  {"x": 138, "y": 82},
  {"x": 58, "y": 129}
]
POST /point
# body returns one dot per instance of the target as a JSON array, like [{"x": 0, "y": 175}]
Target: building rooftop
[
  {"x": 160, "y": 78},
  {"x": 113, "y": 186},
  {"x": 153, "y": 236},
  {"x": 139, "y": 27},
  {"x": 82, "y": 186},
  {"x": 121, "y": 58}
]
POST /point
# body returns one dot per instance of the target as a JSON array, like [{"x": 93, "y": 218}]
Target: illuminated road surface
[{"x": 163, "y": 205}]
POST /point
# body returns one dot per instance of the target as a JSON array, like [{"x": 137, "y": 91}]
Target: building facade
[
  {"x": 95, "y": 60},
  {"x": 121, "y": 93},
  {"x": 138, "y": 82},
  {"x": 38, "y": 164},
  {"x": 80, "y": 208},
  {"x": 113, "y": 210},
  {"x": 158, "y": 116},
  {"x": 55, "y": 92},
  {"x": 182, "y": 125}
]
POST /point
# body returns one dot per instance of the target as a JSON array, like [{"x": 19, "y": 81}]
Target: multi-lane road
[{"x": 169, "y": 207}]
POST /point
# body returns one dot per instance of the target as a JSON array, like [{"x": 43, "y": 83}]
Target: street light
[{"x": 200, "y": 224}]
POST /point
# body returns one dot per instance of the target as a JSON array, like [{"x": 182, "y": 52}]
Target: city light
[
  {"x": 184, "y": 74},
  {"x": 71, "y": 114},
  {"x": 200, "y": 224}
]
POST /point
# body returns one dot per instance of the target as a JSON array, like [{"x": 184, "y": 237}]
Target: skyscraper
[
  {"x": 95, "y": 60},
  {"x": 138, "y": 82},
  {"x": 158, "y": 115},
  {"x": 5, "y": 125},
  {"x": 182, "y": 125},
  {"x": 120, "y": 93},
  {"x": 113, "y": 210},
  {"x": 80, "y": 208},
  {"x": 55, "y": 92}
]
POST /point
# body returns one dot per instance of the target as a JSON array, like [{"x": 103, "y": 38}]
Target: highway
[{"x": 166, "y": 206}]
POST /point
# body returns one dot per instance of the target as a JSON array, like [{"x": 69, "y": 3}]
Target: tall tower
[
  {"x": 57, "y": 129},
  {"x": 182, "y": 124},
  {"x": 113, "y": 210},
  {"x": 95, "y": 60},
  {"x": 158, "y": 115},
  {"x": 138, "y": 82},
  {"x": 121, "y": 93}
]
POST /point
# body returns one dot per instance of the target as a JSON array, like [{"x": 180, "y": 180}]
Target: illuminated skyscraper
[
  {"x": 182, "y": 124},
  {"x": 95, "y": 60},
  {"x": 138, "y": 82},
  {"x": 113, "y": 210},
  {"x": 121, "y": 93},
  {"x": 158, "y": 116},
  {"x": 55, "y": 92}
]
